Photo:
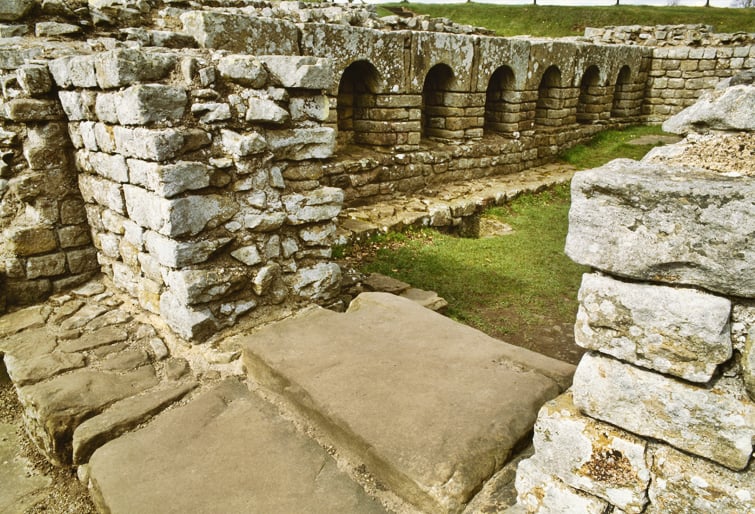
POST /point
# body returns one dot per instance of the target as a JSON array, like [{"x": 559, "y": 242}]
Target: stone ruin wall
[
  {"x": 209, "y": 146},
  {"x": 661, "y": 414}
]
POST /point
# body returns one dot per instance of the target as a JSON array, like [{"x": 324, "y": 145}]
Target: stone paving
[{"x": 420, "y": 426}]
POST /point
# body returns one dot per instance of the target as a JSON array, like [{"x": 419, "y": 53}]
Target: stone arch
[
  {"x": 622, "y": 101},
  {"x": 501, "y": 105},
  {"x": 357, "y": 88},
  {"x": 549, "y": 106},
  {"x": 435, "y": 111},
  {"x": 590, "y": 102}
]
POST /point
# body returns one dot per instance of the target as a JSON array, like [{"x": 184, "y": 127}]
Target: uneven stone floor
[{"x": 420, "y": 425}]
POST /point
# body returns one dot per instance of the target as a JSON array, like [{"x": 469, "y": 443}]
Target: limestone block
[
  {"x": 54, "y": 408},
  {"x": 302, "y": 143},
  {"x": 23, "y": 241},
  {"x": 266, "y": 110},
  {"x": 148, "y": 144},
  {"x": 265, "y": 278},
  {"x": 147, "y": 103},
  {"x": 299, "y": 72},
  {"x": 187, "y": 322},
  {"x": 177, "y": 217},
  {"x": 249, "y": 255},
  {"x": 318, "y": 235},
  {"x": 102, "y": 191},
  {"x": 310, "y": 108},
  {"x": 194, "y": 286},
  {"x": 168, "y": 180},
  {"x": 591, "y": 456},
  {"x": 177, "y": 254},
  {"x": 717, "y": 422},
  {"x": 212, "y": 111},
  {"x": 73, "y": 235},
  {"x": 34, "y": 79},
  {"x": 104, "y": 136},
  {"x": 31, "y": 109},
  {"x": 45, "y": 146},
  {"x": 682, "y": 483},
  {"x": 265, "y": 222},
  {"x": 46, "y": 265},
  {"x": 677, "y": 331},
  {"x": 242, "y": 145},
  {"x": 126, "y": 66},
  {"x": 111, "y": 167},
  {"x": 321, "y": 281},
  {"x": 131, "y": 12},
  {"x": 106, "y": 107},
  {"x": 540, "y": 492},
  {"x": 319, "y": 205},
  {"x": 243, "y": 69},
  {"x": 78, "y": 105},
  {"x": 76, "y": 71},
  {"x": 12, "y": 10},
  {"x": 53, "y": 29},
  {"x": 241, "y": 33},
  {"x": 81, "y": 261},
  {"x": 25, "y": 371},
  {"x": 637, "y": 220},
  {"x": 726, "y": 109}
]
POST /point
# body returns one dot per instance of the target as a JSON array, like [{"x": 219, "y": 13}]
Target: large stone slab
[
  {"x": 727, "y": 109},
  {"x": 716, "y": 422},
  {"x": 679, "y": 331},
  {"x": 225, "y": 451},
  {"x": 21, "y": 487},
  {"x": 635, "y": 220},
  {"x": 432, "y": 407}
]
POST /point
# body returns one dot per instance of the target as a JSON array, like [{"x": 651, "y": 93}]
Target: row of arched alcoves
[{"x": 502, "y": 109}]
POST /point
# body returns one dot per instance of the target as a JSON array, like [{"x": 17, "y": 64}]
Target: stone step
[
  {"x": 432, "y": 408},
  {"x": 227, "y": 451}
]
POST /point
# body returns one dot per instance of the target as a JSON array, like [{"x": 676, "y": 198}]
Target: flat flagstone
[
  {"x": 20, "y": 487},
  {"x": 224, "y": 451},
  {"x": 433, "y": 407}
]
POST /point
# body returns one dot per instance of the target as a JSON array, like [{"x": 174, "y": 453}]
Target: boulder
[{"x": 729, "y": 109}]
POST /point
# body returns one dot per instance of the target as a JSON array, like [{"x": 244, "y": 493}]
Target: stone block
[
  {"x": 212, "y": 111},
  {"x": 83, "y": 260},
  {"x": 104, "y": 136},
  {"x": 716, "y": 422},
  {"x": 677, "y": 331},
  {"x": 299, "y": 72},
  {"x": 45, "y": 147},
  {"x": 319, "y": 205},
  {"x": 46, "y": 265},
  {"x": 195, "y": 286},
  {"x": 682, "y": 483},
  {"x": 246, "y": 70},
  {"x": 188, "y": 322},
  {"x": 34, "y": 79},
  {"x": 169, "y": 180},
  {"x": 537, "y": 491},
  {"x": 302, "y": 143},
  {"x": 76, "y": 71},
  {"x": 315, "y": 108},
  {"x": 106, "y": 107},
  {"x": 112, "y": 167},
  {"x": 241, "y": 33},
  {"x": 32, "y": 110},
  {"x": 146, "y": 103},
  {"x": 126, "y": 66},
  {"x": 249, "y": 255},
  {"x": 266, "y": 111},
  {"x": 664, "y": 224},
  {"x": 177, "y": 217},
  {"x": 73, "y": 235},
  {"x": 321, "y": 281},
  {"x": 78, "y": 105},
  {"x": 591, "y": 456},
  {"x": 726, "y": 109},
  {"x": 242, "y": 145},
  {"x": 12, "y": 10},
  {"x": 177, "y": 254},
  {"x": 24, "y": 241},
  {"x": 103, "y": 192},
  {"x": 150, "y": 144}
]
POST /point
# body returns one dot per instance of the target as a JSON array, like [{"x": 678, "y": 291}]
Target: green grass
[
  {"x": 501, "y": 285},
  {"x": 610, "y": 144},
  {"x": 557, "y": 21},
  {"x": 508, "y": 286}
]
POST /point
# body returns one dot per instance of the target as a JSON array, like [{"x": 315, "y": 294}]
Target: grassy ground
[
  {"x": 557, "y": 21},
  {"x": 519, "y": 287}
]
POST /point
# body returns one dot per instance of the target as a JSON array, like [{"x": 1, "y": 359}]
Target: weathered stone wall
[
  {"x": 661, "y": 414},
  {"x": 45, "y": 245}
]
